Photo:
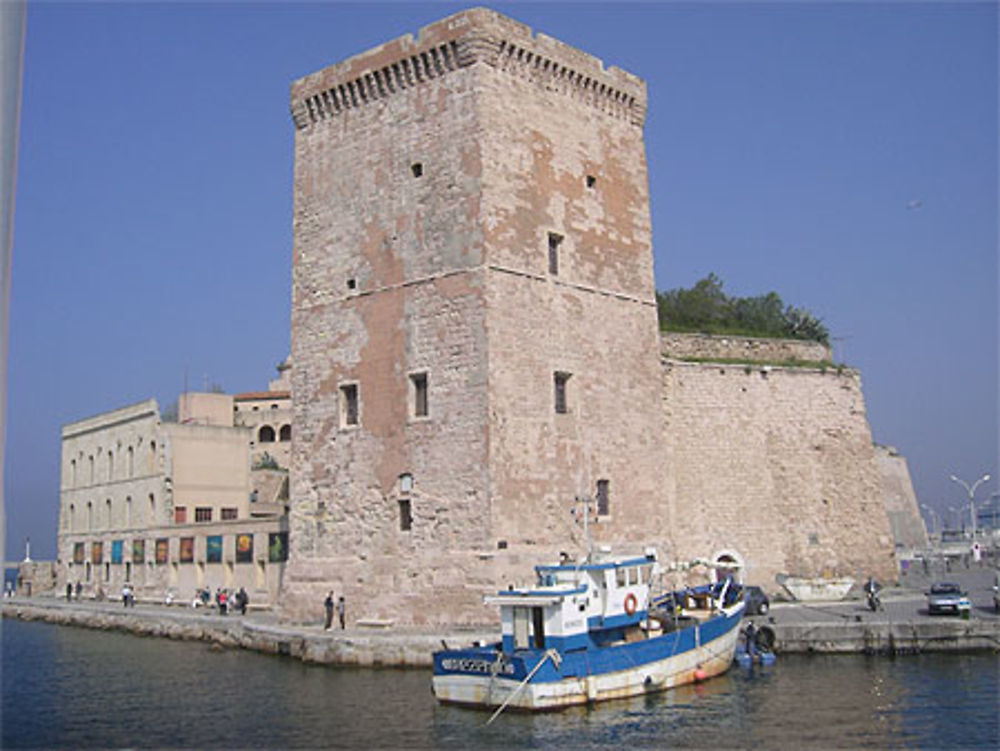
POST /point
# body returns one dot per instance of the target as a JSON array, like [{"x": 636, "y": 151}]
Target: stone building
[
  {"x": 900, "y": 501},
  {"x": 166, "y": 506},
  {"x": 475, "y": 339}
]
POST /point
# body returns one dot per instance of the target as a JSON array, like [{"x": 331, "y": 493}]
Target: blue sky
[{"x": 786, "y": 142}]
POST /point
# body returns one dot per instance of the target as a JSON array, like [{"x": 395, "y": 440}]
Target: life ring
[{"x": 630, "y": 604}]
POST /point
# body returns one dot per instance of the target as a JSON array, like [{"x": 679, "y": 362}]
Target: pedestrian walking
[
  {"x": 242, "y": 598},
  {"x": 328, "y": 606},
  {"x": 79, "y": 591},
  {"x": 69, "y": 592},
  {"x": 340, "y": 611}
]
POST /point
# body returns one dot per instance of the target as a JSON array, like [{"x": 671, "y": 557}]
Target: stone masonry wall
[
  {"x": 751, "y": 349},
  {"x": 778, "y": 465},
  {"x": 900, "y": 500}
]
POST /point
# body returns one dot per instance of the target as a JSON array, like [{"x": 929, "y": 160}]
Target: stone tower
[{"x": 474, "y": 320}]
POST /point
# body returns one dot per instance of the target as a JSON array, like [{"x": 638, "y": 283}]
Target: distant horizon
[{"x": 842, "y": 155}]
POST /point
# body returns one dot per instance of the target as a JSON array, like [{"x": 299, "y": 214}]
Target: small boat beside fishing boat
[
  {"x": 592, "y": 630},
  {"x": 817, "y": 589}
]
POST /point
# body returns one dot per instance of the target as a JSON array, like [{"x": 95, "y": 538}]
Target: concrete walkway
[{"x": 848, "y": 626}]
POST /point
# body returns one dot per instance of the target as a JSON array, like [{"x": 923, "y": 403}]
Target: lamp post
[
  {"x": 972, "y": 496},
  {"x": 935, "y": 522}
]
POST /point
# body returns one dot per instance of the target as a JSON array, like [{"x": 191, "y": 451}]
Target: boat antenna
[{"x": 584, "y": 501}]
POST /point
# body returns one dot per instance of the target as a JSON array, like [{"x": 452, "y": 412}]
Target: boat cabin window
[
  {"x": 522, "y": 619},
  {"x": 620, "y": 577},
  {"x": 538, "y": 618}
]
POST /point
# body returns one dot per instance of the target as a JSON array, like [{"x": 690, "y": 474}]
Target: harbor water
[{"x": 76, "y": 688}]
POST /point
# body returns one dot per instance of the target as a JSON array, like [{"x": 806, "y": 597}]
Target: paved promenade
[{"x": 903, "y": 626}]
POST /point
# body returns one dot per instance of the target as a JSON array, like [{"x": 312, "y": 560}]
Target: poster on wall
[
  {"x": 96, "y": 552},
  {"x": 117, "y": 547},
  {"x": 213, "y": 549},
  {"x": 244, "y": 548},
  {"x": 138, "y": 551},
  {"x": 162, "y": 550},
  {"x": 78, "y": 552},
  {"x": 187, "y": 550},
  {"x": 277, "y": 547}
]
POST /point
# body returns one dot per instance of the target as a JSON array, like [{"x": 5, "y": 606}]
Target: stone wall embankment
[
  {"x": 389, "y": 647},
  {"x": 743, "y": 348}
]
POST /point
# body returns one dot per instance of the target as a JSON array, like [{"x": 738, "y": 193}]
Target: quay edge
[{"x": 393, "y": 647}]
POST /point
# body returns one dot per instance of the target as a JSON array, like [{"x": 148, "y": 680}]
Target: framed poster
[
  {"x": 213, "y": 549},
  {"x": 244, "y": 548},
  {"x": 277, "y": 547},
  {"x": 96, "y": 552},
  {"x": 138, "y": 551},
  {"x": 162, "y": 550},
  {"x": 78, "y": 552},
  {"x": 117, "y": 547},
  {"x": 187, "y": 550}
]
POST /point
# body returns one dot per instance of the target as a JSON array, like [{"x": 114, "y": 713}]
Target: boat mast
[{"x": 584, "y": 500}]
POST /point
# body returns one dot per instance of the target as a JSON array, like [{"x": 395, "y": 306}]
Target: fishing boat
[{"x": 593, "y": 630}]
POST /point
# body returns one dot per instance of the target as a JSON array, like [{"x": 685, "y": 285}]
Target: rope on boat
[{"x": 549, "y": 653}]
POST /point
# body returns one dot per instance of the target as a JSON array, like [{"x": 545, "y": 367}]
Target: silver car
[{"x": 947, "y": 597}]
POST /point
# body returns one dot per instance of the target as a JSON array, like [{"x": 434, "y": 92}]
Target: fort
[{"x": 475, "y": 345}]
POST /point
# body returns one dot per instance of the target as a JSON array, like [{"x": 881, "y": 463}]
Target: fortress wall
[
  {"x": 744, "y": 348},
  {"x": 778, "y": 465},
  {"x": 900, "y": 500}
]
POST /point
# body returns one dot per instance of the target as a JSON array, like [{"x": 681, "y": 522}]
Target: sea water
[{"x": 75, "y": 688}]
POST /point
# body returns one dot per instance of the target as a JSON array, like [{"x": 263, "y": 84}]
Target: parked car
[
  {"x": 948, "y": 597},
  {"x": 757, "y": 602}
]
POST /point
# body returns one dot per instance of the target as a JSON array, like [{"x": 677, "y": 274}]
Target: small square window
[
  {"x": 555, "y": 241},
  {"x": 591, "y": 181},
  {"x": 229, "y": 514},
  {"x": 418, "y": 394},
  {"x": 180, "y": 515},
  {"x": 348, "y": 405},
  {"x": 202, "y": 514},
  {"x": 560, "y": 381},
  {"x": 352, "y": 283},
  {"x": 417, "y": 168}
]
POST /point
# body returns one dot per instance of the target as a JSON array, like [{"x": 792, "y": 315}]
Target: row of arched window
[
  {"x": 266, "y": 434},
  {"x": 85, "y": 470},
  {"x": 101, "y": 516}
]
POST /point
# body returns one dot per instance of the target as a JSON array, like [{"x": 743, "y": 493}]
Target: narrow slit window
[
  {"x": 349, "y": 405},
  {"x": 555, "y": 240},
  {"x": 603, "y": 498},
  {"x": 560, "y": 383},
  {"x": 405, "y": 515},
  {"x": 418, "y": 390}
]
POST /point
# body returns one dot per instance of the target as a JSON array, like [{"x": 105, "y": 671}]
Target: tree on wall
[{"x": 707, "y": 309}]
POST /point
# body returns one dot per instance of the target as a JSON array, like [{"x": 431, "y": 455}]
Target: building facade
[{"x": 166, "y": 506}]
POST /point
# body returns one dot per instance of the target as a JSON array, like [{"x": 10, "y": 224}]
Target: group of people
[
  {"x": 70, "y": 589},
  {"x": 128, "y": 596},
  {"x": 329, "y": 605},
  {"x": 225, "y": 601}
]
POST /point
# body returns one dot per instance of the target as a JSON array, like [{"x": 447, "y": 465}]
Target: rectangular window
[
  {"x": 202, "y": 514},
  {"x": 229, "y": 513},
  {"x": 405, "y": 516},
  {"x": 180, "y": 515},
  {"x": 560, "y": 381},
  {"x": 187, "y": 550},
  {"x": 348, "y": 405},
  {"x": 554, "y": 242},
  {"x": 603, "y": 498},
  {"x": 418, "y": 390}
]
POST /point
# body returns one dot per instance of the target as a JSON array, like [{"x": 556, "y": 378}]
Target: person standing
[
  {"x": 340, "y": 611},
  {"x": 242, "y": 598},
  {"x": 79, "y": 591},
  {"x": 69, "y": 592},
  {"x": 328, "y": 606}
]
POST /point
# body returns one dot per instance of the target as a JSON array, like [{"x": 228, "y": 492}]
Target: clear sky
[{"x": 843, "y": 155}]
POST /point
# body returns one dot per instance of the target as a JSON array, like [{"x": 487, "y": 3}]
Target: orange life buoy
[{"x": 630, "y": 603}]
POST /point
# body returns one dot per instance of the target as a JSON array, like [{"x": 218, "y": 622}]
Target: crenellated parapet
[{"x": 460, "y": 41}]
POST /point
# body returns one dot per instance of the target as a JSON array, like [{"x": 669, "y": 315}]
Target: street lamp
[
  {"x": 935, "y": 522},
  {"x": 972, "y": 499}
]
